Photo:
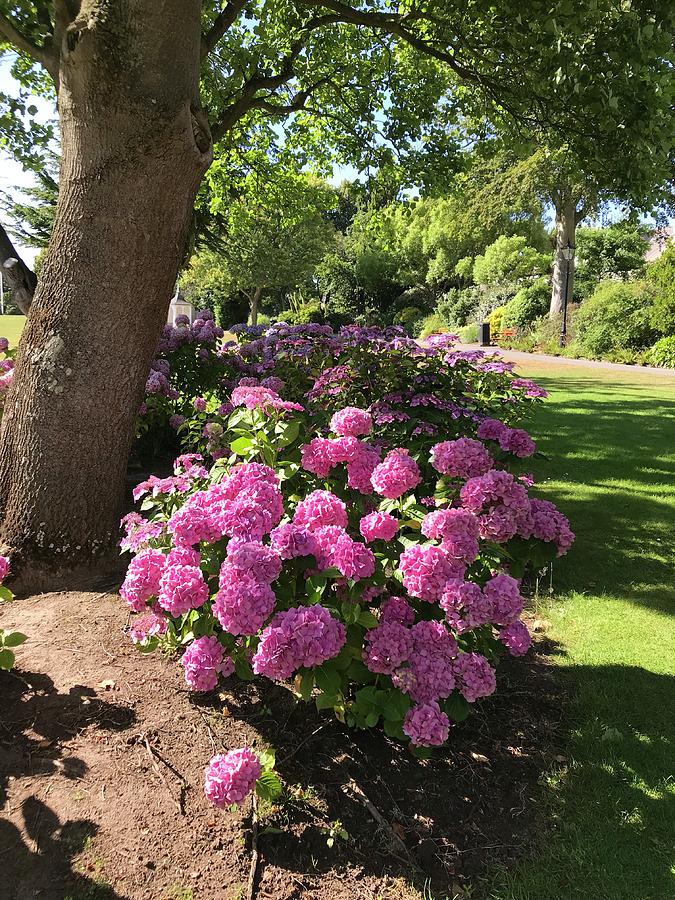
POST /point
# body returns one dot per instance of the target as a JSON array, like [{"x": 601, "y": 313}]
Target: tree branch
[
  {"x": 224, "y": 20},
  {"x": 21, "y": 280},
  {"x": 12, "y": 35}
]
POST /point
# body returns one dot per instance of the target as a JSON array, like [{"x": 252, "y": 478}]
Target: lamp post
[{"x": 568, "y": 256}]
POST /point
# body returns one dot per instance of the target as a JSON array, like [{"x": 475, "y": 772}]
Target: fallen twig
[
  {"x": 180, "y": 803},
  {"x": 353, "y": 789}
]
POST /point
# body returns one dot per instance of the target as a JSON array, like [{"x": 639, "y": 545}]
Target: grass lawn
[
  {"x": 611, "y": 805},
  {"x": 11, "y": 328}
]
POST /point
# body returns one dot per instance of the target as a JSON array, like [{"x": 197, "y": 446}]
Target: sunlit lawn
[
  {"x": 11, "y": 328},
  {"x": 610, "y": 809}
]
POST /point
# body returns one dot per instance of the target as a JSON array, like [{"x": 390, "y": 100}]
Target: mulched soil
[{"x": 102, "y": 752}]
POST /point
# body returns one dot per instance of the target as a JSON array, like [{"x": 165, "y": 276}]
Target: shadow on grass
[
  {"x": 616, "y": 452},
  {"x": 610, "y": 807}
]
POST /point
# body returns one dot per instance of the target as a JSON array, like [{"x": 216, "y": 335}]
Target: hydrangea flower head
[
  {"x": 378, "y": 526},
  {"x": 351, "y": 422},
  {"x": 516, "y": 638},
  {"x": 463, "y": 458},
  {"x": 182, "y": 588},
  {"x": 426, "y": 570},
  {"x": 143, "y": 577},
  {"x": 230, "y": 778},
  {"x": 475, "y": 676},
  {"x": 203, "y": 661},
  {"x": 426, "y": 725},
  {"x": 396, "y": 474},
  {"x": 242, "y": 603},
  {"x": 320, "y": 508},
  {"x": 303, "y": 636}
]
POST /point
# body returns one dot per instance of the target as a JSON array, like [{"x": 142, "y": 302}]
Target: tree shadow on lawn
[
  {"x": 617, "y": 460},
  {"x": 447, "y": 818},
  {"x": 611, "y": 806},
  {"x": 35, "y": 721}
]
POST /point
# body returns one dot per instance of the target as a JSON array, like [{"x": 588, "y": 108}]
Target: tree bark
[
  {"x": 565, "y": 231},
  {"x": 255, "y": 300},
  {"x": 18, "y": 276},
  {"x": 134, "y": 149}
]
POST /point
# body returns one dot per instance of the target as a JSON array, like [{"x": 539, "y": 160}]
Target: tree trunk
[
  {"x": 565, "y": 230},
  {"x": 255, "y": 300},
  {"x": 18, "y": 277},
  {"x": 134, "y": 150}
]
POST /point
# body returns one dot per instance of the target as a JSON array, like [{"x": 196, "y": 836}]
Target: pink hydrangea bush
[{"x": 370, "y": 558}]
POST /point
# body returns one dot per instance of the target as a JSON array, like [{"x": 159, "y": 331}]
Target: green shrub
[
  {"x": 661, "y": 276},
  {"x": 617, "y": 316},
  {"x": 410, "y": 317},
  {"x": 458, "y": 306},
  {"x": 302, "y": 313},
  {"x": 529, "y": 304},
  {"x": 433, "y": 324},
  {"x": 468, "y": 334},
  {"x": 662, "y": 353}
]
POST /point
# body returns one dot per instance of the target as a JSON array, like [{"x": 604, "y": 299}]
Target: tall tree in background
[{"x": 137, "y": 133}]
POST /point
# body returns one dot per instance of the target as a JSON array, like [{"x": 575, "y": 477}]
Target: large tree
[{"x": 144, "y": 89}]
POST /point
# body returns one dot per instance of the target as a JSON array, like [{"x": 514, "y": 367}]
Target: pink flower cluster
[
  {"x": 151, "y": 625},
  {"x": 426, "y": 570},
  {"x": 143, "y": 578},
  {"x": 230, "y": 778},
  {"x": 549, "y": 524},
  {"x": 429, "y": 674},
  {"x": 426, "y": 725},
  {"x": 300, "y": 637},
  {"x": 351, "y": 422},
  {"x": 396, "y": 474},
  {"x": 500, "y": 502},
  {"x": 323, "y": 454},
  {"x": 4, "y": 567},
  {"x": 475, "y": 676},
  {"x": 513, "y": 440},
  {"x": 258, "y": 397},
  {"x": 463, "y": 458},
  {"x": 378, "y": 526},
  {"x": 245, "y": 599},
  {"x": 457, "y": 529},
  {"x": 466, "y": 606},
  {"x": 202, "y": 663},
  {"x": 247, "y": 505},
  {"x": 181, "y": 588}
]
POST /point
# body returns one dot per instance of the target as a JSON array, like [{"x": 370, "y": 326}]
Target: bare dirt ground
[{"x": 102, "y": 752}]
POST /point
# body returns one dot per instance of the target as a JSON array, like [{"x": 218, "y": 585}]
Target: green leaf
[
  {"x": 326, "y": 701},
  {"x": 241, "y": 446},
  {"x": 267, "y": 758},
  {"x": 268, "y": 786},
  {"x": 5, "y": 594},
  {"x": 12, "y": 638},
  {"x": 457, "y": 708},
  {"x": 367, "y": 619},
  {"x": 243, "y": 668},
  {"x": 372, "y": 719},
  {"x": 306, "y": 685},
  {"x": 328, "y": 679},
  {"x": 6, "y": 660}
]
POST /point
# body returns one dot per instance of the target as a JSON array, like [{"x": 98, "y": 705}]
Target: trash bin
[{"x": 484, "y": 334}]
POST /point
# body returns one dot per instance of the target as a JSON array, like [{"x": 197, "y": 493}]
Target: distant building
[
  {"x": 179, "y": 306},
  {"x": 658, "y": 242}
]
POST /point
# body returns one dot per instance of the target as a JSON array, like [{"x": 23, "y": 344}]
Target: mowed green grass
[
  {"x": 11, "y": 328},
  {"x": 610, "y": 808}
]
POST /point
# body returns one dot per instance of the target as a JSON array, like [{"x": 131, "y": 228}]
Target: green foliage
[
  {"x": 661, "y": 276},
  {"x": 8, "y": 641},
  {"x": 509, "y": 259},
  {"x": 432, "y": 324},
  {"x": 531, "y": 302},
  {"x": 616, "y": 317},
  {"x": 302, "y": 313},
  {"x": 410, "y": 317},
  {"x": 457, "y": 306},
  {"x": 662, "y": 353},
  {"x": 207, "y": 283},
  {"x": 616, "y": 251},
  {"x": 464, "y": 269},
  {"x": 275, "y": 231},
  {"x": 468, "y": 334}
]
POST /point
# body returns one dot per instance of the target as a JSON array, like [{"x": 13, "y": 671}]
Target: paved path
[{"x": 520, "y": 356}]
